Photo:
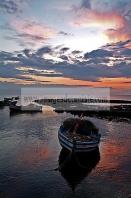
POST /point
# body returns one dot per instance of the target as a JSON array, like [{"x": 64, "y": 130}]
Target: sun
[{"x": 87, "y": 43}]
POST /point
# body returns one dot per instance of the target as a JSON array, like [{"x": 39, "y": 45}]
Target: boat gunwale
[
  {"x": 70, "y": 147},
  {"x": 78, "y": 145},
  {"x": 78, "y": 142}
]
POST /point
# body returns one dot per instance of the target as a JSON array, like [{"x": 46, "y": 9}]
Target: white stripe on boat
[{"x": 79, "y": 146}]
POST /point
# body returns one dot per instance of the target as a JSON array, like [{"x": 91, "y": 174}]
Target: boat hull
[{"x": 77, "y": 146}]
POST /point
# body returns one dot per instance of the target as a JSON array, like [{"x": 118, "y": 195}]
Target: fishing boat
[
  {"x": 15, "y": 106},
  {"x": 78, "y": 135}
]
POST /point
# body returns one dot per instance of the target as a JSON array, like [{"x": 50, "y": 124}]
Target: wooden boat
[{"x": 80, "y": 140}]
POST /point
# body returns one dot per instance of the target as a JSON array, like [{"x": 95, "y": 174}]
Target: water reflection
[
  {"x": 75, "y": 167},
  {"x": 15, "y": 114},
  {"x": 1, "y": 107},
  {"x": 29, "y": 150}
]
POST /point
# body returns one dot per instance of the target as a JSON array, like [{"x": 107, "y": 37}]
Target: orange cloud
[
  {"x": 117, "y": 83},
  {"x": 94, "y": 18},
  {"x": 113, "y": 25},
  {"x": 16, "y": 81},
  {"x": 118, "y": 35},
  {"x": 55, "y": 80},
  {"x": 122, "y": 82}
]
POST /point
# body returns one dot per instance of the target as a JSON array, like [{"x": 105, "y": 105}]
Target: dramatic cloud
[
  {"x": 88, "y": 18},
  {"x": 58, "y": 53},
  {"x": 114, "y": 19},
  {"x": 97, "y": 68}
]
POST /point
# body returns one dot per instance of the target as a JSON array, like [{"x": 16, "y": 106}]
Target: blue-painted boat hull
[{"x": 77, "y": 146}]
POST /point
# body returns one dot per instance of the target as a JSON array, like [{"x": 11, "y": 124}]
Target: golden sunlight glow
[
  {"x": 16, "y": 81},
  {"x": 55, "y": 80},
  {"x": 52, "y": 58},
  {"x": 87, "y": 43},
  {"x": 122, "y": 83}
]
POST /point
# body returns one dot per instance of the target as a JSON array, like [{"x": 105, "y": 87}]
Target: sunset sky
[{"x": 65, "y": 42}]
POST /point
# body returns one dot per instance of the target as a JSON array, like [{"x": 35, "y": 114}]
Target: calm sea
[{"x": 30, "y": 155}]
